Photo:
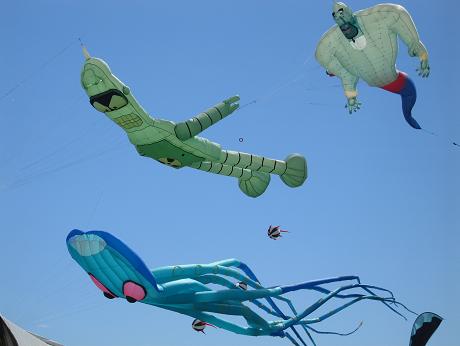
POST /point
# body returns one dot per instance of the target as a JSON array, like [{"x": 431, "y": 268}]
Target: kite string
[
  {"x": 27, "y": 179},
  {"x": 36, "y": 71},
  {"x": 299, "y": 75},
  {"x": 95, "y": 208},
  {"x": 57, "y": 275},
  {"x": 440, "y": 137}
]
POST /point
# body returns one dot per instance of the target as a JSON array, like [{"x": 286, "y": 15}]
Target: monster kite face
[
  {"x": 344, "y": 18},
  {"x": 114, "y": 268}
]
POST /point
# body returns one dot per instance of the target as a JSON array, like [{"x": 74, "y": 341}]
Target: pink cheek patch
[
  {"x": 99, "y": 285},
  {"x": 133, "y": 292}
]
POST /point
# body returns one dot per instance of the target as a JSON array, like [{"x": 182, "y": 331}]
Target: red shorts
[{"x": 397, "y": 85}]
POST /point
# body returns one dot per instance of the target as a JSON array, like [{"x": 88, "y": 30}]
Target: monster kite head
[
  {"x": 112, "y": 266},
  {"x": 343, "y": 16}
]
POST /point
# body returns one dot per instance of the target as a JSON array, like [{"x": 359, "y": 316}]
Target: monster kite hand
[
  {"x": 364, "y": 45},
  {"x": 424, "y": 70},
  {"x": 353, "y": 105},
  {"x": 177, "y": 145},
  {"x": 191, "y": 289}
]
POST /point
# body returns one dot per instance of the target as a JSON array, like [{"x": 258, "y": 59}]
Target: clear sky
[{"x": 381, "y": 200}]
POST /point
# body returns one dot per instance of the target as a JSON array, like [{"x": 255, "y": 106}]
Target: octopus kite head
[
  {"x": 343, "y": 16},
  {"x": 113, "y": 267}
]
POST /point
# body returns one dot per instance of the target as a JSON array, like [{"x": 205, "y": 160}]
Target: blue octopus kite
[{"x": 119, "y": 273}]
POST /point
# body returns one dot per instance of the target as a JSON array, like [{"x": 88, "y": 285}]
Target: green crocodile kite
[
  {"x": 363, "y": 45},
  {"x": 177, "y": 145}
]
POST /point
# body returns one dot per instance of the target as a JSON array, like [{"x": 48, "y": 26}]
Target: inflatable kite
[
  {"x": 364, "y": 45},
  {"x": 424, "y": 327},
  {"x": 177, "y": 145},
  {"x": 274, "y": 232},
  {"x": 190, "y": 289}
]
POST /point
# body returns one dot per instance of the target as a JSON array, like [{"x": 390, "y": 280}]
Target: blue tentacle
[
  {"x": 270, "y": 301},
  {"x": 335, "y": 333}
]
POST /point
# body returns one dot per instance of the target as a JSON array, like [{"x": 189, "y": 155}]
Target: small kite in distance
[
  {"x": 199, "y": 326},
  {"x": 274, "y": 232}
]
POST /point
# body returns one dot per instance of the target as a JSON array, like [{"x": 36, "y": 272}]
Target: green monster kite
[
  {"x": 364, "y": 45},
  {"x": 177, "y": 145}
]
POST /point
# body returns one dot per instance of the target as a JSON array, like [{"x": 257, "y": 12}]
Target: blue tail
[{"x": 409, "y": 97}]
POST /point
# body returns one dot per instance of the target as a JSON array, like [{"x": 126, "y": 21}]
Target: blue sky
[{"x": 381, "y": 200}]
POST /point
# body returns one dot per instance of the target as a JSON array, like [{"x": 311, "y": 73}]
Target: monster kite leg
[{"x": 404, "y": 86}]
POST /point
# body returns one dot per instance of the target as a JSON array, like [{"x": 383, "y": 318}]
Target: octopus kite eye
[
  {"x": 108, "y": 295},
  {"x": 133, "y": 291},
  {"x": 105, "y": 290}
]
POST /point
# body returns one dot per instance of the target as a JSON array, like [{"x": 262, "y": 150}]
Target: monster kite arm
[
  {"x": 349, "y": 83},
  {"x": 325, "y": 56},
  {"x": 202, "y": 121},
  {"x": 403, "y": 25}
]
